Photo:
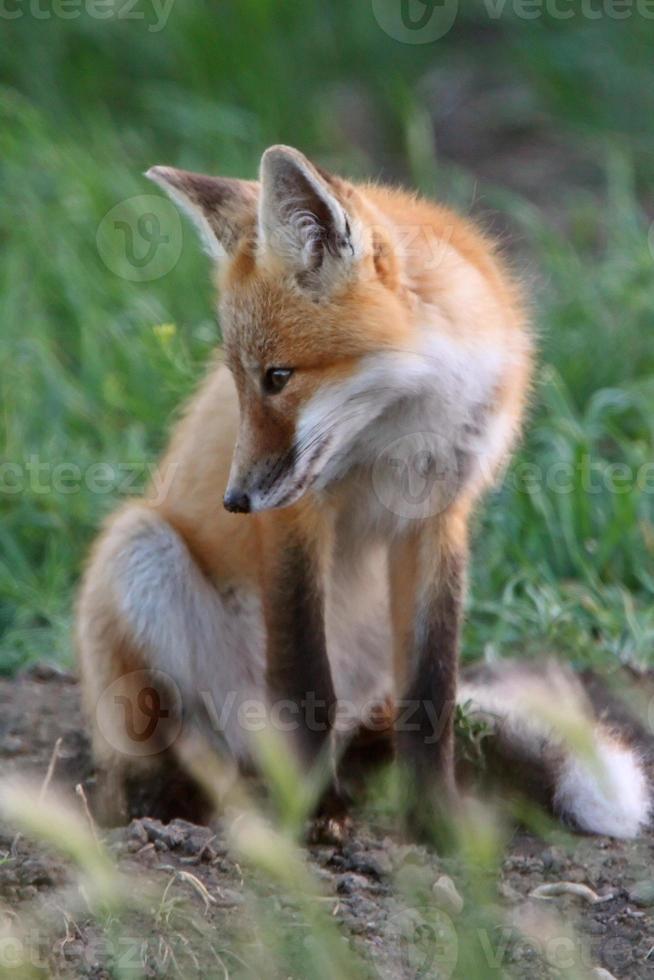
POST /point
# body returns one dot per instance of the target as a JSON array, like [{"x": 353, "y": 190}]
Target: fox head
[{"x": 312, "y": 311}]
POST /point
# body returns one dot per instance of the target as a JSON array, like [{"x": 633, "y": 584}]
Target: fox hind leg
[{"x": 162, "y": 654}]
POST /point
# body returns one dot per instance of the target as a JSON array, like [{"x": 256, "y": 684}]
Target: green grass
[
  {"x": 566, "y": 550},
  {"x": 88, "y": 375}
]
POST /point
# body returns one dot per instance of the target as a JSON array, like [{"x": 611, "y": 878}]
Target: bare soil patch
[{"x": 183, "y": 933}]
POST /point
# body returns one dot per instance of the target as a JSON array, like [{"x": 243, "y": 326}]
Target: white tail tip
[{"x": 608, "y": 794}]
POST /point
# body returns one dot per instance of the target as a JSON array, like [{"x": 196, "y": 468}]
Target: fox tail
[{"x": 545, "y": 738}]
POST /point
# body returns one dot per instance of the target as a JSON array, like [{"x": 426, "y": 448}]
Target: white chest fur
[{"x": 409, "y": 432}]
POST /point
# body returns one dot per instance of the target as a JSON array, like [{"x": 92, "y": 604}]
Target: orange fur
[{"x": 418, "y": 271}]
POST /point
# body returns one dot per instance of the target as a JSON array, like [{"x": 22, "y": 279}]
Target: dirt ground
[{"x": 358, "y": 881}]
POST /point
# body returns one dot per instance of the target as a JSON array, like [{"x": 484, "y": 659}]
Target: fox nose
[{"x": 237, "y": 501}]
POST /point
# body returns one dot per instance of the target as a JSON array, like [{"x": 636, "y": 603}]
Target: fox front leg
[
  {"x": 427, "y": 586},
  {"x": 298, "y": 674}
]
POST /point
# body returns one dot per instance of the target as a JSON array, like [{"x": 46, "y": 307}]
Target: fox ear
[
  {"x": 301, "y": 218},
  {"x": 218, "y": 206}
]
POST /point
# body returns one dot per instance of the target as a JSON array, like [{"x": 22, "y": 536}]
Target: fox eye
[{"x": 275, "y": 379}]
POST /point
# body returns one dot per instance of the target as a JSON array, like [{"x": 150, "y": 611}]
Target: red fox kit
[{"x": 310, "y": 550}]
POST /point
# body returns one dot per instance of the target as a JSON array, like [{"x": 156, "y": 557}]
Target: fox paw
[{"x": 332, "y": 823}]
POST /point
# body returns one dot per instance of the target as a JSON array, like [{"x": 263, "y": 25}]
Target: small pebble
[
  {"x": 172, "y": 835},
  {"x": 137, "y": 832},
  {"x": 146, "y": 853},
  {"x": 642, "y": 893},
  {"x": 228, "y": 898},
  {"x": 349, "y": 884},
  {"x": 12, "y": 745},
  {"x": 446, "y": 896},
  {"x": 44, "y": 670}
]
